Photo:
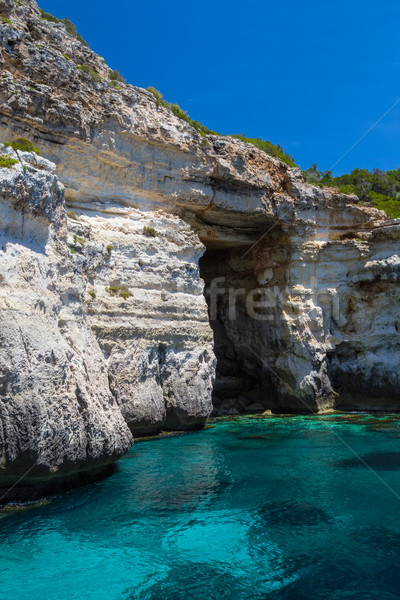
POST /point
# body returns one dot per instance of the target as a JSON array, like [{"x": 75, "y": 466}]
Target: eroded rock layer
[
  {"x": 104, "y": 323},
  {"x": 58, "y": 415}
]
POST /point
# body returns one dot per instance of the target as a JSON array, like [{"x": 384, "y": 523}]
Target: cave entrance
[
  {"x": 237, "y": 385},
  {"x": 242, "y": 287}
]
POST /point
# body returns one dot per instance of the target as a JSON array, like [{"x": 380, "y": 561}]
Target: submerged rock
[{"x": 296, "y": 515}]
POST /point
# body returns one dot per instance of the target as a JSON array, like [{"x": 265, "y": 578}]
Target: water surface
[{"x": 263, "y": 508}]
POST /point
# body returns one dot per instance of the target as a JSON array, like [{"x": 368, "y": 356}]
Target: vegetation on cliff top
[
  {"x": 69, "y": 26},
  {"x": 267, "y": 147},
  {"x": 116, "y": 76},
  {"x": 272, "y": 149},
  {"x": 379, "y": 188},
  {"x": 181, "y": 114},
  {"x": 89, "y": 74}
]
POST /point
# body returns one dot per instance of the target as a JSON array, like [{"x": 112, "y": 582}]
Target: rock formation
[
  {"x": 58, "y": 415},
  {"x": 105, "y": 318}
]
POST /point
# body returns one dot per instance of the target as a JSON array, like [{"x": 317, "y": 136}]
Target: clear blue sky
[{"x": 312, "y": 76}]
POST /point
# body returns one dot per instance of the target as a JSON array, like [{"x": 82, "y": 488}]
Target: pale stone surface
[
  {"x": 56, "y": 408},
  {"x": 79, "y": 361},
  {"x": 329, "y": 334},
  {"x": 157, "y": 341}
]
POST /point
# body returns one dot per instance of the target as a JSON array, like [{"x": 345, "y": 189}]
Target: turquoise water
[{"x": 274, "y": 508}]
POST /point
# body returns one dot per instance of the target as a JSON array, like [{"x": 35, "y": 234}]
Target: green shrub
[
  {"x": 391, "y": 205},
  {"x": 48, "y": 17},
  {"x": 125, "y": 292},
  {"x": 79, "y": 240},
  {"x": 23, "y": 145},
  {"x": 116, "y": 76},
  {"x": 81, "y": 40},
  {"x": 89, "y": 74},
  {"x": 348, "y": 235},
  {"x": 149, "y": 232},
  {"x": 71, "y": 215},
  {"x": 113, "y": 290},
  {"x": 379, "y": 188},
  {"x": 158, "y": 96},
  {"x": 6, "y": 21},
  {"x": 119, "y": 290},
  {"x": 181, "y": 114},
  {"x": 92, "y": 293},
  {"x": 66, "y": 57},
  {"x": 109, "y": 248},
  {"x": 6, "y": 162},
  {"x": 69, "y": 26},
  {"x": 269, "y": 148}
]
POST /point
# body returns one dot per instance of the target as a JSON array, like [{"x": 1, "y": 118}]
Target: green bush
[
  {"x": 119, "y": 290},
  {"x": 6, "y": 162},
  {"x": 48, "y": 17},
  {"x": 92, "y": 293},
  {"x": 379, "y": 188},
  {"x": 23, "y": 145},
  {"x": 109, "y": 248},
  {"x": 181, "y": 114},
  {"x": 116, "y": 76},
  {"x": 269, "y": 148},
  {"x": 79, "y": 240},
  {"x": 149, "y": 232},
  {"x": 89, "y": 74},
  {"x": 391, "y": 205},
  {"x": 6, "y": 21},
  {"x": 158, "y": 96},
  {"x": 66, "y": 57},
  {"x": 71, "y": 215},
  {"x": 69, "y": 26}
]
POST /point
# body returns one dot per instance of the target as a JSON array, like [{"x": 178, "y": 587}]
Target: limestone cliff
[
  {"x": 302, "y": 282},
  {"x": 58, "y": 415}
]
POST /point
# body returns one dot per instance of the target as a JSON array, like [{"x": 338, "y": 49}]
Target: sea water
[{"x": 279, "y": 507}]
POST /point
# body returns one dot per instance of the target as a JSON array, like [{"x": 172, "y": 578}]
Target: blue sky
[{"x": 311, "y": 76}]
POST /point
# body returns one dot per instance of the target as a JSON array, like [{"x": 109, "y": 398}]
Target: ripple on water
[{"x": 251, "y": 509}]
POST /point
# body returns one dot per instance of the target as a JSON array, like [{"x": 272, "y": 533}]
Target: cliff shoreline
[{"x": 151, "y": 274}]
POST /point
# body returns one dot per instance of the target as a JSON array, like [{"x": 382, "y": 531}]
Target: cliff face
[
  {"x": 301, "y": 282},
  {"x": 57, "y": 412}
]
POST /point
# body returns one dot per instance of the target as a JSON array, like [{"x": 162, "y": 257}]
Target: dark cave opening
[{"x": 242, "y": 383}]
